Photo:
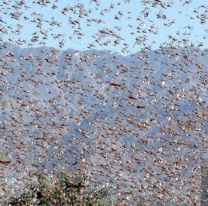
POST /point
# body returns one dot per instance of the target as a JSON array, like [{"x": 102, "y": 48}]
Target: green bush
[{"x": 60, "y": 190}]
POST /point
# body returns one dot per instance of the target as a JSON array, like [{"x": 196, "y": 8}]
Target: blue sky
[{"x": 128, "y": 24}]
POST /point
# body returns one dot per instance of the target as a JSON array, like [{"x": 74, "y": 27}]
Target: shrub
[{"x": 59, "y": 190}]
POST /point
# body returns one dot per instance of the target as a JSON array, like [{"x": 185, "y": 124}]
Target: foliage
[{"x": 60, "y": 190}]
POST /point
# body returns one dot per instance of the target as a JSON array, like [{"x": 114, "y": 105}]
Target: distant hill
[{"x": 136, "y": 123}]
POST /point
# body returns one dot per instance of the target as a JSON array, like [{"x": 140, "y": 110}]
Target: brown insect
[
  {"x": 140, "y": 106},
  {"x": 5, "y": 161},
  {"x": 115, "y": 84}
]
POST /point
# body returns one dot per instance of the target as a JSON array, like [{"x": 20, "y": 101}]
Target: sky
[{"x": 136, "y": 20}]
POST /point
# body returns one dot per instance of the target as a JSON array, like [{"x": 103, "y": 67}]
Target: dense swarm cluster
[
  {"x": 137, "y": 124},
  {"x": 133, "y": 119}
]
